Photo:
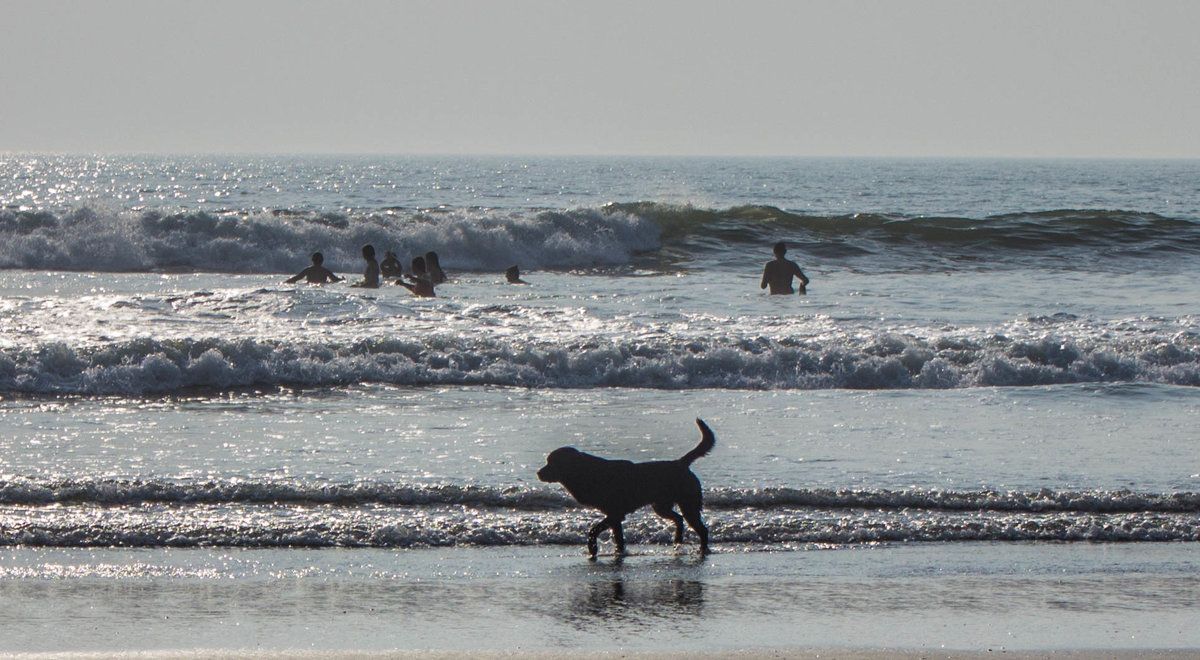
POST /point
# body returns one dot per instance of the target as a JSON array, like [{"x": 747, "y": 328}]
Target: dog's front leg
[
  {"x": 594, "y": 532},
  {"x": 618, "y": 536}
]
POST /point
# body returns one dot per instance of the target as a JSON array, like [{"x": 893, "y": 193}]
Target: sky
[{"x": 920, "y": 78}]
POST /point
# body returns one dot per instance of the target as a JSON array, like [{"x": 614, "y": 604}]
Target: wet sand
[{"x": 923, "y": 601}]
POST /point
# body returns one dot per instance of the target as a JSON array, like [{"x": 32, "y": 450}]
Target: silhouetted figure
[
  {"x": 316, "y": 273},
  {"x": 371, "y": 274},
  {"x": 778, "y": 274},
  {"x": 618, "y": 488},
  {"x": 513, "y": 275},
  {"x": 391, "y": 266},
  {"x": 421, "y": 285},
  {"x": 433, "y": 269}
]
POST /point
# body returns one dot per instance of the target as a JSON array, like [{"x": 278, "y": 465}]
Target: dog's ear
[{"x": 562, "y": 455}]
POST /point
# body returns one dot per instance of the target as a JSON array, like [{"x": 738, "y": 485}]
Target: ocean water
[{"x": 980, "y": 422}]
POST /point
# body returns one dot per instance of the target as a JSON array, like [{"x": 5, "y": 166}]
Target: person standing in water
[
  {"x": 371, "y": 274},
  {"x": 778, "y": 274},
  {"x": 513, "y": 275},
  {"x": 390, "y": 266},
  {"x": 421, "y": 286},
  {"x": 316, "y": 273},
  {"x": 433, "y": 269}
]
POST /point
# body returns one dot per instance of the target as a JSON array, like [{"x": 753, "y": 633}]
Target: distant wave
[
  {"x": 884, "y": 361},
  {"x": 474, "y": 239},
  {"x": 249, "y": 514},
  {"x": 987, "y": 239},
  {"x": 281, "y": 241}
]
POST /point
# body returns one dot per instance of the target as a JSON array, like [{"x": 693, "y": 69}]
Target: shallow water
[{"x": 414, "y": 466}]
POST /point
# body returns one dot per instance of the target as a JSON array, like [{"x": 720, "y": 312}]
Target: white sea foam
[
  {"x": 20, "y": 491},
  {"x": 147, "y": 366},
  {"x": 247, "y": 514}
]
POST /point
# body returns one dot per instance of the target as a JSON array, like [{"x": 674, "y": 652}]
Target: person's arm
[
  {"x": 299, "y": 276},
  {"x": 332, "y": 277},
  {"x": 766, "y": 276}
]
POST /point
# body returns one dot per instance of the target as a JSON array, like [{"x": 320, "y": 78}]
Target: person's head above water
[
  {"x": 418, "y": 265},
  {"x": 318, "y": 258},
  {"x": 368, "y": 252},
  {"x": 780, "y": 249}
]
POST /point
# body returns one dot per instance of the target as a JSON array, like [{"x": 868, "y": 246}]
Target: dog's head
[{"x": 559, "y": 463}]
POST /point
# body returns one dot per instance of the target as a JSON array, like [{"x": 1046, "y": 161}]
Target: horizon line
[{"x": 417, "y": 154}]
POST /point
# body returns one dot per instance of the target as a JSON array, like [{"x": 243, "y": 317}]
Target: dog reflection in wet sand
[{"x": 618, "y": 488}]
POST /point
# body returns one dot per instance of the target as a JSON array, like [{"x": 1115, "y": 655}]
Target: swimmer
[
  {"x": 778, "y": 274},
  {"x": 371, "y": 274},
  {"x": 433, "y": 269},
  {"x": 316, "y": 273},
  {"x": 421, "y": 286},
  {"x": 513, "y": 275},
  {"x": 391, "y": 266}
]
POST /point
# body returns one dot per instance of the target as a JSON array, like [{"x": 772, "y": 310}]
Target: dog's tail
[{"x": 707, "y": 442}]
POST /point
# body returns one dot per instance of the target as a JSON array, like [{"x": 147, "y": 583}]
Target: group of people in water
[{"x": 427, "y": 273}]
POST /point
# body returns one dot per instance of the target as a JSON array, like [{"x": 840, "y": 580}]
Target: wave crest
[
  {"x": 19, "y": 491},
  {"x": 149, "y": 366},
  {"x": 92, "y": 239},
  {"x": 275, "y": 241},
  {"x": 254, "y": 514}
]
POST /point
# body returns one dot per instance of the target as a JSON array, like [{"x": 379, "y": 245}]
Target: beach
[{"x": 973, "y": 437}]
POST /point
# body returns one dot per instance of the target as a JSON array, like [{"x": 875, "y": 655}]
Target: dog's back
[{"x": 662, "y": 482}]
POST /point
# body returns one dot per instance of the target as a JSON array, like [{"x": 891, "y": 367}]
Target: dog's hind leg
[
  {"x": 668, "y": 511},
  {"x": 697, "y": 523}
]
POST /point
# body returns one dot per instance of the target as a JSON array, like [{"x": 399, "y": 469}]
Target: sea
[{"x": 977, "y": 431}]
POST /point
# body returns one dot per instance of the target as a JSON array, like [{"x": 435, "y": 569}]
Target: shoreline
[{"x": 922, "y": 601}]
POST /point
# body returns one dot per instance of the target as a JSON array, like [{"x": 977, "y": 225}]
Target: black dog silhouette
[{"x": 619, "y": 488}]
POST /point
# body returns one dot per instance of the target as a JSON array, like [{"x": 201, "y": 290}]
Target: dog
[{"x": 619, "y": 488}]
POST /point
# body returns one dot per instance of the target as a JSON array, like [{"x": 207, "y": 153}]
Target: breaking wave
[
  {"x": 884, "y": 361},
  {"x": 20, "y": 491},
  {"x": 84, "y": 513},
  {"x": 89, "y": 239},
  {"x": 475, "y": 239}
]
